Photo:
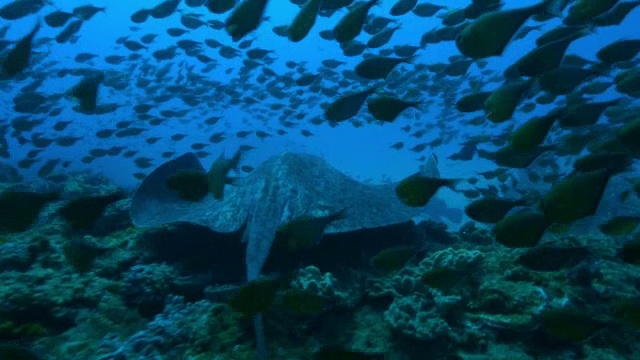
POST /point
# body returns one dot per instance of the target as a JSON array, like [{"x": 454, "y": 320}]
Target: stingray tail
[{"x": 261, "y": 344}]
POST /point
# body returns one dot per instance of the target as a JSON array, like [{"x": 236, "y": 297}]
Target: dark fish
[
  {"x": 387, "y": 108},
  {"x": 382, "y": 38},
  {"x": 583, "y": 11},
  {"x": 570, "y": 324},
  {"x": 620, "y": 225},
  {"x": 444, "y": 278},
  {"x": 304, "y": 232},
  {"x": 140, "y": 16},
  {"x": 82, "y": 213},
  {"x": 19, "y": 57},
  {"x": 378, "y": 67},
  {"x": 57, "y": 18},
  {"x": 416, "y": 190},
  {"x": 503, "y": 101},
  {"x": 347, "y": 106},
  {"x": 86, "y": 12},
  {"x": 584, "y": 114},
  {"x": 71, "y": 29},
  {"x": 302, "y": 303},
  {"x": 393, "y": 259},
  {"x": 545, "y": 57},
  {"x": 532, "y": 133},
  {"x": 304, "y": 20},
  {"x": 220, "y": 6},
  {"x": 575, "y": 197},
  {"x": 350, "y": 26},
  {"x": 480, "y": 39},
  {"x": 472, "y": 102},
  {"x": 245, "y": 18},
  {"x": 402, "y": 7},
  {"x": 254, "y": 297},
  {"x": 520, "y": 230},
  {"x": 15, "y": 10},
  {"x": 164, "y": 9},
  {"x": 619, "y": 51},
  {"x": 553, "y": 258},
  {"x": 20, "y": 209},
  {"x": 630, "y": 251},
  {"x": 491, "y": 210},
  {"x": 612, "y": 161},
  {"x": 86, "y": 92},
  {"x": 565, "y": 79},
  {"x": 616, "y": 15},
  {"x": 426, "y": 9}
]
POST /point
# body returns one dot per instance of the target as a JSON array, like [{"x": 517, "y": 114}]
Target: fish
[
  {"x": 306, "y": 231},
  {"x": 393, "y": 259},
  {"x": 416, "y": 190},
  {"x": 347, "y": 106},
  {"x": 490, "y": 34},
  {"x": 19, "y": 56},
  {"x": 245, "y": 18},
  {"x": 350, "y": 26},
  {"x": 387, "y": 108},
  {"x": 520, "y": 230},
  {"x": 553, "y": 258},
  {"x": 304, "y": 20},
  {"x": 575, "y": 197},
  {"x": 491, "y": 210},
  {"x": 378, "y": 67}
]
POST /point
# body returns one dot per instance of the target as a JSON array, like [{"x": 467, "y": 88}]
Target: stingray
[{"x": 282, "y": 188}]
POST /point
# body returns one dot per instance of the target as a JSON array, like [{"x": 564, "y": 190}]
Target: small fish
[
  {"x": 387, "y": 108},
  {"x": 620, "y": 225},
  {"x": 416, "y": 190},
  {"x": 520, "y": 230},
  {"x": 82, "y": 213},
  {"x": 350, "y": 26},
  {"x": 304, "y": 20},
  {"x": 218, "y": 177},
  {"x": 302, "y": 303},
  {"x": 20, "y": 209},
  {"x": 630, "y": 251},
  {"x": 254, "y": 297},
  {"x": 491, "y": 210},
  {"x": 481, "y": 40},
  {"x": 347, "y": 106},
  {"x": 575, "y": 197},
  {"x": 393, "y": 259},
  {"x": 570, "y": 324},
  {"x": 378, "y": 67},
  {"x": 245, "y": 18},
  {"x": 444, "y": 278},
  {"x": 553, "y": 258},
  {"x": 303, "y": 232},
  {"x": 19, "y": 56}
]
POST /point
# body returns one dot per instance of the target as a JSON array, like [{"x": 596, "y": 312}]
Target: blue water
[{"x": 362, "y": 152}]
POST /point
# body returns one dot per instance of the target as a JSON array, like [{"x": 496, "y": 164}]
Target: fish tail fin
[
  {"x": 553, "y": 7},
  {"x": 452, "y": 183}
]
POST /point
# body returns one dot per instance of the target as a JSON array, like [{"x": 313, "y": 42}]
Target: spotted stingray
[{"x": 284, "y": 187}]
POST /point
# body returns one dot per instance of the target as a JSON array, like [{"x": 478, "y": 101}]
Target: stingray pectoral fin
[{"x": 155, "y": 204}]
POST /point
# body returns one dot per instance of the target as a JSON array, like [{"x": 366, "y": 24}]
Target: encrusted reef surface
[{"x": 102, "y": 289}]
